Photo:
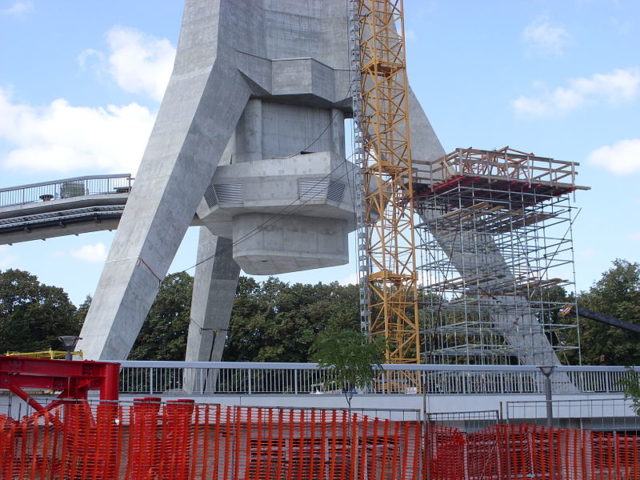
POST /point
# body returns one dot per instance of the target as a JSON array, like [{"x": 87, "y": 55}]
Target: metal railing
[
  {"x": 65, "y": 188},
  {"x": 590, "y": 413},
  {"x": 303, "y": 378}
]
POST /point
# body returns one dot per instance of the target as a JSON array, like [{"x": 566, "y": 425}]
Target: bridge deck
[{"x": 62, "y": 207}]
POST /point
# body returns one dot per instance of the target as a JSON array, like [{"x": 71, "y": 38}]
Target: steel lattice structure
[
  {"x": 383, "y": 151},
  {"x": 496, "y": 240}
]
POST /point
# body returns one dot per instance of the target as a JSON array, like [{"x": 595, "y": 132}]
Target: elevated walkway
[
  {"x": 70, "y": 206},
  {"x": 62, "y": 207}
]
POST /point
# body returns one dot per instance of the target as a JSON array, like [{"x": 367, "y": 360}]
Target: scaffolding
[{"x": 496, "y": 252}]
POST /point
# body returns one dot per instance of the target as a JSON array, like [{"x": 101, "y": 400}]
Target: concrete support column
[
  {"x": 211, "y": 304},
  {"x": 204, "y": 100}
]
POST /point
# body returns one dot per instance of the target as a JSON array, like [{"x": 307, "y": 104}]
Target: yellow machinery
[{"x": 386, "y": 235}]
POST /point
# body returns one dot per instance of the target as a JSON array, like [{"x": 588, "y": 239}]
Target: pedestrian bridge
[{"x": 62, "y": 207}]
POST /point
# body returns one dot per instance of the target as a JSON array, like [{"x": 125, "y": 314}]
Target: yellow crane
[{"x": 387, "y": 253}]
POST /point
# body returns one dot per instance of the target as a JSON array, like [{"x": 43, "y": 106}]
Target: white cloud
[
  {"x": 61, "y": 137},
  {"x": 621, "y": 158},
  {"x": 635, "y": 236},
  {"x": 88, "y": 53},
  {"x": 139, "y": 63},
  {"x": 545, "y": 38},
  {"x": 619, "y": 86},
  {"x": 96, "y": 253},
  {"x": 18, "y": 8}
]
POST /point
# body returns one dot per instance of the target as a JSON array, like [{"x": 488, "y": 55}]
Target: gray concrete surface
[{"x": 290, "y": 58}]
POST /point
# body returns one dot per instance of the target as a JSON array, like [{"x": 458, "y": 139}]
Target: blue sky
[{"x": 80, "y": 83}]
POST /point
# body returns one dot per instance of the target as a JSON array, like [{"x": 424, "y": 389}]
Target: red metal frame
[{"x": 73, "y": 379}]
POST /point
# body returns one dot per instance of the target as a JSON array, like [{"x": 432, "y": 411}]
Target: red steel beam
[{"x": 72, "y": 378}]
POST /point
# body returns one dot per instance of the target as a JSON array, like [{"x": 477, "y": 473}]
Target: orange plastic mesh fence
[
  {"x": 531, "y": 451},
  {"x": 151, "y": 440}
]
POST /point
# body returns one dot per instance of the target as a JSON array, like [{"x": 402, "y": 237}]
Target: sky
[{"x": 81, "y": 82}]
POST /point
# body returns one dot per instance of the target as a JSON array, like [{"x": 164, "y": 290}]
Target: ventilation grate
[
  {"x": 229, "y": 194},
  {"x": 336, "y": 191},
  {"x": 210, "y": 196},
  {"x": 312, "y": 188}
]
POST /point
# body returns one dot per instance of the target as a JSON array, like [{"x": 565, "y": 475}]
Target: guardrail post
[
  {"x": 295, "y": 381},
  {"x": 151, "y": 373},
  {"x": 249, "y": 373}
]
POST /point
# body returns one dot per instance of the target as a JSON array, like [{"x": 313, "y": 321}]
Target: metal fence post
[{"x": 547, "y": 371}]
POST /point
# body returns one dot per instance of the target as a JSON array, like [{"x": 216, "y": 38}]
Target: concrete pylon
[{"x": 265, "y": 82}]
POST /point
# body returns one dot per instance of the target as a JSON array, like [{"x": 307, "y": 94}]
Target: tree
[
  {"x": 164, "y": 333},
  {"x": 81, "y": 312},
  {"x": 33, "y": 315},
  {"x": 277, "y": 322},
  {"x": 271, "y": 321},
  {"x": 631, "y": 388},
  {"x": 616, "y": 294},
  {"x": 352, "y": 356}
]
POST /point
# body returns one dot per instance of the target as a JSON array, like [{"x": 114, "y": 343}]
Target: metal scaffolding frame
[{"x": 495, "y": 243}]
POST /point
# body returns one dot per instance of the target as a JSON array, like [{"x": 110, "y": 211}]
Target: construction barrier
[
  {"x": 524, "y": 451},
  {"x": 176, "y": 440},
  {"x": 150, "y": 440}
]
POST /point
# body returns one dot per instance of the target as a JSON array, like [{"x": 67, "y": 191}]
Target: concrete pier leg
[
  {"x": 213, "y": 295},
  {"x": 203, "y": 102}
]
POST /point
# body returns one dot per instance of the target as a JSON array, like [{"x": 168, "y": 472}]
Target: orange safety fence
[
  {"x": 175, "y": 440},
  {"x": 523, "y": 451},
  {"x": 153, "y": 440}
]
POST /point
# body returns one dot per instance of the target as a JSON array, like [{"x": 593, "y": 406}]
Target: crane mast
[{"x": 387, "y": 253}]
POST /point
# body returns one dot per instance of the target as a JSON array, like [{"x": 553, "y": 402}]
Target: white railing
[
  {"x": 144, "y": 377},
  {"x": 65, "y": 188}
]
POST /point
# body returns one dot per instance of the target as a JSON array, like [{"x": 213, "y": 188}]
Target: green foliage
[
  {"x": 81, "y": 313},
  {"x": 164, "y": 332},
  {"x": 277, "y": 322},
  {"x": 352, "y": 356},
  {"x": 33, "y": 315},
  {"x": 631, "y": 386},
  {"x": 616, "y": 294}
]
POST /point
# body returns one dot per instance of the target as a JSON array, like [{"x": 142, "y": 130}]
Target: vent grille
[
  {"x": 336, "y": 191},
  {"x": 312, "y": 188},
  {"x": 210, "y": 196},
  {"x": 229, "y": 194}
]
